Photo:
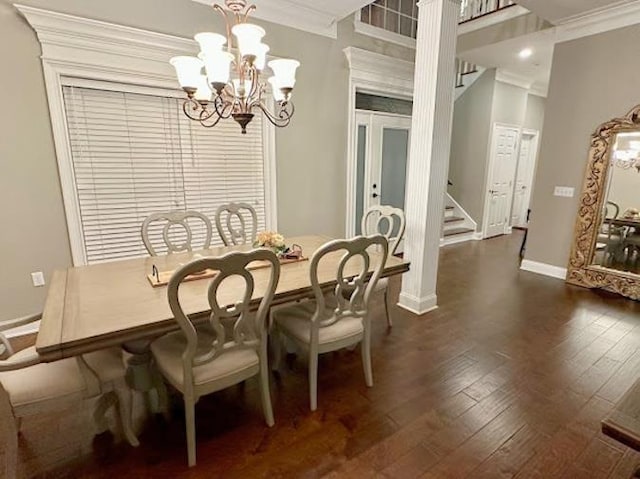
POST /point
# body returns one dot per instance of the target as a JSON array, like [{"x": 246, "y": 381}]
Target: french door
[{"x": 382, "y": 155}]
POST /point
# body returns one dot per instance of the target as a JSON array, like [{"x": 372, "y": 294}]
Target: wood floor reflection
[{"x": 510, "y": 377}]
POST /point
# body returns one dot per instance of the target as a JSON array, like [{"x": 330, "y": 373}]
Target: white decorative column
[{"x": 430, "y": 148}]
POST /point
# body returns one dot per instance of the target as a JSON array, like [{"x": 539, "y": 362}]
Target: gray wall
[
  {"x": 311, "y": 153},
  {"x": 593, "y": 79},
  {"x": 486, "y": 102},
  {"x": 469, "y": 143}
]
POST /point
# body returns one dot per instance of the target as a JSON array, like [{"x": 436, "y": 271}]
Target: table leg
[{"x": 143, "y": 377}]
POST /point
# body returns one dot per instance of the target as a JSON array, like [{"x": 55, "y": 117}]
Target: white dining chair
[
  {"x": 29, "y": 387},
  {"x": 332, "y": 321},
  {"x": 177, "y": 232},
  {"x": 372, "y": 223},
  {"x": 199, "y": 361},
  {"x": 237, "y": 224}
]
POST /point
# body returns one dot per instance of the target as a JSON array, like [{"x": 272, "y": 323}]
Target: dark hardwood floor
[{"x": 510, "y": 377}]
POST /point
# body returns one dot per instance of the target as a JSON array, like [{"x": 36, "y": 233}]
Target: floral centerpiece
[{"x": 275, "y": 242}]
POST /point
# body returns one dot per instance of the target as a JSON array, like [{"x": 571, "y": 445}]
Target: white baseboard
[
  {"x": 544, "y": 269},
  {"x": 417, "y": 305},
  {"x": 478, "y": 236},
  {"x": 455, "y": 239}
]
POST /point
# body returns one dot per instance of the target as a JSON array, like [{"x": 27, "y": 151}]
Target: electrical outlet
[
  {"x": 564, "y": 191},
  {"x": 37, "y": 278}
]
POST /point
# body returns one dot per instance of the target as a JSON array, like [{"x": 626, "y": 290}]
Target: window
[
  {"x": 136, "y": 153},
  {"x": 396, "y": 16}
]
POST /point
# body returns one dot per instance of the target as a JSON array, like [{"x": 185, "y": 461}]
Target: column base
[{"x": 416, "y": 305}]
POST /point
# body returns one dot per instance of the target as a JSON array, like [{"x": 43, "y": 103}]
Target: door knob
[{"x": 375, "y": 195}]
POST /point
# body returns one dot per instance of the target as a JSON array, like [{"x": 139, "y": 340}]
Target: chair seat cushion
[
  {"x": 168, "y": 350},
  {"x": 296, "y": 320},
  {"x": 42, "y": 382}
]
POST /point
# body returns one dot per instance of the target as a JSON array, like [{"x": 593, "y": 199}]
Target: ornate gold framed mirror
[{"x": 606, "y": 247}]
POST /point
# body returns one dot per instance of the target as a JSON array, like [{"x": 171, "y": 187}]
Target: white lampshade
[
  {"x": 285, "y": 72},
  {"x": 278, "y": 95},
  {"x": 249, "y": 38},
  {"x": 238, "y": 88},
  {"x": 261, "y": 57},
  {"x": 210, "y": 42},
  {"x": 188, "y": 69},
  {"x": 217, "y": 64},
  {"x": 203, "y": 93}
]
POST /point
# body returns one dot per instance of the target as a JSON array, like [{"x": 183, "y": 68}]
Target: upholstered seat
[
  {"x": 168, "y": 354},
  {"x": 42, "y": 382},
  {"x": 231, "y": 349},
  {"x": 29, "y": 387},
  {"x": 297, "y": 321},
  {"x": 334, "y": 319}
]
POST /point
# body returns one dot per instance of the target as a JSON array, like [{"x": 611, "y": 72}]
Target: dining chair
[
  {"x": 198, "y": 361},
  {"x": 372, "y": 223},
  {"x": 611, "y": 238},
  {"x": 177, "y": 233},
  {"x": 332, "y": 321},
  {"x": 244, "y": 230},
  {"x": 29, "y": 387}
]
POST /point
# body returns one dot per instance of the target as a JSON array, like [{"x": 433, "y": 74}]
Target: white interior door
[
  {"x": 382, "y": 157},
  {"x": 502, "y": 171},
  {"x": 524, "y": 178}
]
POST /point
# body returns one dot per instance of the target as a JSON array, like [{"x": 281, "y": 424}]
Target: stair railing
[{"x": 472, "y": 9}]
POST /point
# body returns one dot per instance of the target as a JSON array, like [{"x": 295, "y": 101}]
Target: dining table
[{"x": 89, "y": 308}]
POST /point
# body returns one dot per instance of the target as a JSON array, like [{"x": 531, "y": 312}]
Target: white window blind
[{"x": 135, "y": 154}]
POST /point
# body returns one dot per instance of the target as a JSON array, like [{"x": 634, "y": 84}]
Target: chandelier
[
  {"x": 231, "y": 85},
  {"x": 627, "y": 159}
]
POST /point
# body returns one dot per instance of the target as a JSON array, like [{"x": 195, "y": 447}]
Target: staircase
[
  {"x": 466, "y": 75},
  {"x": 458, "y": 226}
]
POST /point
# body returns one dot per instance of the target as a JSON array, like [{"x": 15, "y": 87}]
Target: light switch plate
[
  {"x": 37, "y": 278},
  {"x": 564, "y": 191}
]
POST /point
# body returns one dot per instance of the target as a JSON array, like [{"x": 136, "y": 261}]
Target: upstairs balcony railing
[
  {"x": 472, "y": 9},
  {"x": 401, "y": 16}
]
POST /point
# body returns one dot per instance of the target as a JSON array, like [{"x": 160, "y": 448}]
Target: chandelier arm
[
  {"x": 227, "y": 22},
  {"x": 282, "y": 118},
  {"x": 249, "y": 11},
  {"x": 226, "y": 105},
  {"x": 192, "y": 105}
]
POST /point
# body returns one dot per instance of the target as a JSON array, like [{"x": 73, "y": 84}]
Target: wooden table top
[
  {"x": 92, "y": 307},
  {"x": 631, "y": 222},
  {"x": 623, "y": 423}
]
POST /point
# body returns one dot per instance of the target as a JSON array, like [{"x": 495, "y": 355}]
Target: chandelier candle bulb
[
  {"x": 210, "y": 43},
  {"x": 249, "y": 40},
  {"x": 188, "y": 70},
  {"x": 285, "y": 72},
  {"x": 213, "y": 96},
  {"x": 261, "y": 57},
  {"x": 203, "y": 92},
  {"x": 218, "y": 65}
]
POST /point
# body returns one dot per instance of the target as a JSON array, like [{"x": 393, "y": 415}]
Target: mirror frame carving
[{"x": 580, "y": 271}]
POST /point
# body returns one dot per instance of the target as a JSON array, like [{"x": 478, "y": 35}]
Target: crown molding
[
  {"x": 295, "y": 15},
  {"x": 599, "y": 21},
  {"x": 539, "y": 89},
  {"x": 368, "y": 66},
  {"x": 514, "y": 79}
]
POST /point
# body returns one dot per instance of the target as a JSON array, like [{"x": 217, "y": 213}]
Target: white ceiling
[
  {"x": 316, "y": 16},
  {"x": 536, "y": 70},
  {"x": 557, "y": 11}
]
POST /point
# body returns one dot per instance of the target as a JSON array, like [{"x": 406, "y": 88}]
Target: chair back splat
[
  {"x": 237, "y": 224},
  {"x": 352, "y": 293},
  {"x": 376, "y": 216},
  {"x": 173, "y": 241}
]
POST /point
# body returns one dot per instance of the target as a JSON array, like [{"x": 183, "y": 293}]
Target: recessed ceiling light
[{"x": 525, "y": 53}]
